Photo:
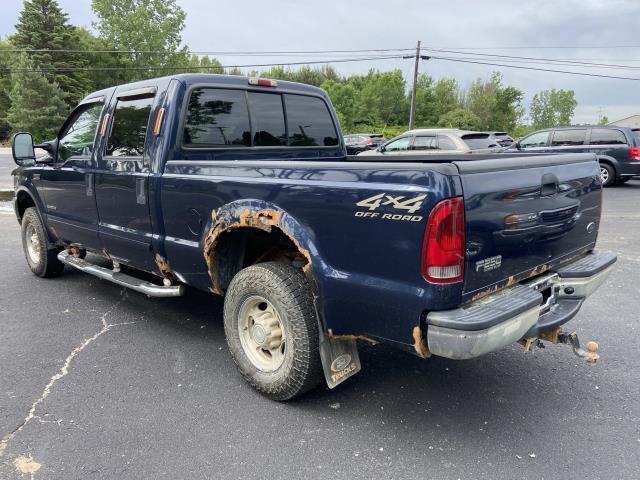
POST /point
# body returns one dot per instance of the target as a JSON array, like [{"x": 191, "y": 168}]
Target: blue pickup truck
[{"x": 242, "y": 187}]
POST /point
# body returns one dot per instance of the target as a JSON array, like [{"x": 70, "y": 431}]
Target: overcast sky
[{"x": 274, "y": 25}]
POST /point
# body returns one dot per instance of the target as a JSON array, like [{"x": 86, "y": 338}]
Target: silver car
[{"x": 438, "y": 140}]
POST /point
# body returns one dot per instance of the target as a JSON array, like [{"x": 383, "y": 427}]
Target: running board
[{"x": 148, "y": 288}]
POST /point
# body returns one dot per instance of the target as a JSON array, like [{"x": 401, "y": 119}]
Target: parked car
[
  {"x": 437, "y": 140},
  {"x": 501, "y": 138},
  {"x": 617, "y": 148},
  {"x": 360, "y": 142},
  {"x": 242, "y": 187}
]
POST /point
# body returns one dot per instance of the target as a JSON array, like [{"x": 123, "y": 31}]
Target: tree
[
  {"x": 498, "y": 107},
  {"x": 37, "y": 105},
  {"x": 604, "y": 120},
  {"x": 5, "y": 88},
  {"x": 138, "y": 26},
  {"x": 43, "y": 26},
  {"x": 460, "y": 118},
  {"x": 382, "y": 98},
  {"x": 344, "y": 98},
  {"x": 552, "y": 108}
]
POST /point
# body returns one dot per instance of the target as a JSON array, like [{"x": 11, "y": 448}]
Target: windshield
[{"x": 478, "y": 141}]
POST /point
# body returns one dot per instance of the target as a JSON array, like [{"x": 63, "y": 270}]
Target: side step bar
[{"x": 148, "y": 288}]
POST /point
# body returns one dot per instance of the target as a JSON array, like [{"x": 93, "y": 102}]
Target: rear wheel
[
  {"x": 272, "y": 329},
  {"x": 42, "y": 260},
  {"x": 622, "y": 180},
  {"x": 607, "y": 175}
]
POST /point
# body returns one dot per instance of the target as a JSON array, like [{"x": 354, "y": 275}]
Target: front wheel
[
  {"x": 272, "y": 329},
  {"x": 42, "y": 261},
  {"x": 607, "y": 175}
]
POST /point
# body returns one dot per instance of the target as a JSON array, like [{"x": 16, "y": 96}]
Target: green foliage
[
  {"x": 435, "y": 99},
  {"x": 604, "y": 120},
  {"x": 43, "y": 25},
  {"x": 37, "y": 105},
  {"x": 143, "y": 26},
  {"x": 497, "y": 107},
  {"x": 460, "y": 118},
  {"x": 5, "y": 88},
  {"x": 552, "y": 108}
]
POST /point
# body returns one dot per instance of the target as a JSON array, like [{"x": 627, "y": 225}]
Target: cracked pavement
[{"x": 97, "y": 382}]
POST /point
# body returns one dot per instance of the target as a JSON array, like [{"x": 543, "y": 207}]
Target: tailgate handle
[{"x": 549, "y": 185}]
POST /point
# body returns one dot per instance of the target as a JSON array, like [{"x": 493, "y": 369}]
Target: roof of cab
[{"x": 190, "y": 79}]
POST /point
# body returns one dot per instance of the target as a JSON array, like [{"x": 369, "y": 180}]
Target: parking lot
[{"x": 99, "y": 382}]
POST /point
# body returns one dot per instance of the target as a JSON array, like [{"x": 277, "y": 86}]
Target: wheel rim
[
  {"x": 262, "y": 333},
  {"x": 33, "y": 243},
  {"x": 604, "y": 175}
]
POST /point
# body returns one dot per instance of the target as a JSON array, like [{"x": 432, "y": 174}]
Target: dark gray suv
[{"x": 617, "y": 148}]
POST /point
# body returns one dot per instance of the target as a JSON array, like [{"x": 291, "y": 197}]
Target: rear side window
[
  {"x": 267, "y": 119},
  {"x": 129, "y": 127},
  {"x": 445, "y": 143},
  {"x": 308, "y": 122},
  {"x": 217, "y": 117},
  {"x": 606, "y": 136},
  {"x": 424, "y": 143},
  {"x": 568, "y": 137},
  {"x": 636, "y": 136}
]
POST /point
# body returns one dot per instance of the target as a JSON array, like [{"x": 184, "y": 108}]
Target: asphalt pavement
[{"x": 98, "y": 382}]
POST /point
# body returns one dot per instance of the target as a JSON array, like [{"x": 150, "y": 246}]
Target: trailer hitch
[{"x": 589, "y": 352}]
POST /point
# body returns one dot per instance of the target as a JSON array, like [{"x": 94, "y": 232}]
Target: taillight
[
  {"x": 634, "y": 153},
  {"x": 443, "y": 245}
]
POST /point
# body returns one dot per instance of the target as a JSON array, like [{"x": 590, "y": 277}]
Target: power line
[
  {"x": 211, "y": 67},
  {"x": 203, "y": 52},
  {"x": 575, "y": 62},
  {"x": 536, "y": 47},
  {"x": 585, "y": 74}
]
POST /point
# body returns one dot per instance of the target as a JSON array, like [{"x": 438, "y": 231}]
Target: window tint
[
  {"x": 538, "y": 139},
  {"x": 424, "y": 143},
  {"x": 568, "y": 137},
  {"x": 129, "y": 127},
  {"x": 605, "y": 136},
  {"x": 478, "y": 141},
  {"x": 399, "y": 144},
  {"x": 309, "y": 122},
  {"x": 636, "y": 136},
  {"x": 445, "y": 143},
  {"x": 217, "y": 117},
  {"x": 77, "y": 140},
  {"x": 267, "y": 119}
]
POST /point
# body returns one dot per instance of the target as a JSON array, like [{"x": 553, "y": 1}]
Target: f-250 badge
[
  {"x": 488, "y": 264},
  {"x": 398, "y": 202}
]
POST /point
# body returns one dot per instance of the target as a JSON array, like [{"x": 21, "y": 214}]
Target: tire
[
  {"x": 42, "y": 260},
  {"x": 623, "y": 180},
  {"x": 264, "y": 304},
  {"x": 607, "y": 175}
]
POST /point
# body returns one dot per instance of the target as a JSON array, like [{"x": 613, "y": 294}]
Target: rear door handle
[
  {"x": 141, "y": 194},
  {"x": 89, "y": 183}
]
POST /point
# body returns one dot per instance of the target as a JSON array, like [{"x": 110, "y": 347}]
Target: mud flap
[{"x": 340, "y": 360}]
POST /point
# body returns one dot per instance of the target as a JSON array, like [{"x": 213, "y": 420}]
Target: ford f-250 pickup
[{"x": 242, "y": 187}]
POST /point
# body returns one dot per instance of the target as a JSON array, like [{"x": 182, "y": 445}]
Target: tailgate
[{"x": 526, "y": 215}]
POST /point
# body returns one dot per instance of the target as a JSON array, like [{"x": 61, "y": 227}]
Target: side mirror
[
  {"x": 22, "y": 149},
  {"x": 381, "y": 149},
  {"x": 517, "y": 145}
]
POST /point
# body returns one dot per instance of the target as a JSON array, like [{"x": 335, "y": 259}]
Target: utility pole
[{"x": 412, "y": 113}]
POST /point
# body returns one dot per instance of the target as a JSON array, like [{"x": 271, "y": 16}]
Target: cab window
[
  {"x": 78, "y": 138},
  {"x": 309, "y": 122},
  {"x": 425, "y": 143},
  {"x": 129, "y": 127},
  {"x": 538, "y": 139}
]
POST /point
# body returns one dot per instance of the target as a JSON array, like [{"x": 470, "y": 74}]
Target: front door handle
[
  {"x": 141, "y": 193},
  {"x": 89, "y": 183}
]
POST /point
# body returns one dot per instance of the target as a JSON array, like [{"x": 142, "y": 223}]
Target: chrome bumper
[{"x": 524, "y": 310}]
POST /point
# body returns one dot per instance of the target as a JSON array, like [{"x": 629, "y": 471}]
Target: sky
[{"x": 294, "y": 25}]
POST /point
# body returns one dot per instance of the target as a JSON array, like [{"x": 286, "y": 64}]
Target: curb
[{"x": 6, "y": 195}]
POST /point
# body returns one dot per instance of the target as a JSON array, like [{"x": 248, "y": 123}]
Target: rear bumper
[
  {"x": 522, "y": 311},
  {"x": 629, "y": 169}
]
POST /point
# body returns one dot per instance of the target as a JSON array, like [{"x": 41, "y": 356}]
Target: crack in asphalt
[{"x": 64, "y": 370}]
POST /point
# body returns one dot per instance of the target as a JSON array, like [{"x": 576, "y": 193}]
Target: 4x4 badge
[{"x": 412, "y": 205}]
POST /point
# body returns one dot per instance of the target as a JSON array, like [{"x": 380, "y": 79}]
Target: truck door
[
  {"x": 122, "y": 179},
  {"x": 68, "y": 184}
]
